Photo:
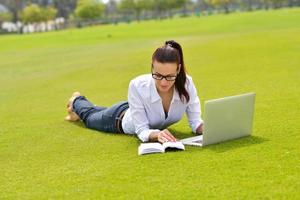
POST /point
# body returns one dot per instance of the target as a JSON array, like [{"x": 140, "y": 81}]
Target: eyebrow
[{"x": 165, "y": 75}]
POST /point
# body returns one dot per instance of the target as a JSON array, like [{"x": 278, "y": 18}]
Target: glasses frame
[{"x": 161, "y": 77}]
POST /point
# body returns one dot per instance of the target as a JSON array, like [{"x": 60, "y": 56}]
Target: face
[{"x": 164, "y": 69}]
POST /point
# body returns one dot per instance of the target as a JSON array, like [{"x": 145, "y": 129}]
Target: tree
[
  {"x": 127, "y": 6},
  {"x": 35, "y": 14},
  {"x": 89, "y": 9},
  {"x": 174, "y": 4},
  {"x": 15, "y": 6},
  {"x": 5, "y": 16},
  {"x": 265, "y": 3},
  {"x": 159, "y": 7},
  {"x": 141, "y": 5},
  {"x": 32, "y": 14},
  {"x": 65, "y": 7},
  {"x": 221, "y": 3},
  {"x": 277, "y": 3},
  {"x": 111, "y": 9},
  {"x": 49, "y": 13},
  {"x": 133, "y": 7},
  {"x": 247, "y": 5},
  {"x": 202, "y": 6}
]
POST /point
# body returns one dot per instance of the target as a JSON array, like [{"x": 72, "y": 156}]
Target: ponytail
[{"x": 181, "y": 77}]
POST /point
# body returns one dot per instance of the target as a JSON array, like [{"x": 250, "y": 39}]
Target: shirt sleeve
[
  {"x": 139, "y": 116},
  {"x": 193, "y": 110}
]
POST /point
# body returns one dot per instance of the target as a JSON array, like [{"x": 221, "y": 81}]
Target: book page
[
  {"x": 153, "y": 147},
  {"x": 177, "y": 145}
]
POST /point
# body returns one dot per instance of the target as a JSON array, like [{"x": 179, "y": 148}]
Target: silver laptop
[{"x": 225, "y": 119}]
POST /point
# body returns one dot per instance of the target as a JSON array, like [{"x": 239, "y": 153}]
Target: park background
[
  {"x": 44, "y": 157},
  {"x": 28, "y": 16}
]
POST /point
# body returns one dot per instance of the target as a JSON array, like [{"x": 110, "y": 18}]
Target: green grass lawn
[{"x": 44, "y": 157}]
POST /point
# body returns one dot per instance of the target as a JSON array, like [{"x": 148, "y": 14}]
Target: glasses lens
[
  {"x": 170, "y": 78},
  {"x": 156, "y": 76},
  {"x": 160, "y": 77}
]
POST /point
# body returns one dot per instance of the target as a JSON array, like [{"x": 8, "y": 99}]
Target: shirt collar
[{"x": 153, "y": 91}]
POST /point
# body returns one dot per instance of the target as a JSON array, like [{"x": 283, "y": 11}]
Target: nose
[{"x": 164, "y": 81}]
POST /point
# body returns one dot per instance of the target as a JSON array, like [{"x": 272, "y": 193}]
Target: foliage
[
  {"x": 221, "y": 3},
  {"x": 34, "y": 14},
  {"x": 49, "y": 13},
  {"x": 5, "y": 16},
  {"x": 31, "y": 14},
  {"x": 89, "y": 9}
]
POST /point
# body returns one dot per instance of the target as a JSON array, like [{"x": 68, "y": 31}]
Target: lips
[{"x": 164, "y": 87}]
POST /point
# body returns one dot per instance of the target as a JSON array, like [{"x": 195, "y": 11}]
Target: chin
[{"x": 164, "y": 89}]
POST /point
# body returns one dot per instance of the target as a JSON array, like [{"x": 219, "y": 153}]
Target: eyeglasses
[{"x": 161, "y": 77}]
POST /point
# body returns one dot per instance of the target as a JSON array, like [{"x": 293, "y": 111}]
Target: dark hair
[{"x": 171, "y": 52}]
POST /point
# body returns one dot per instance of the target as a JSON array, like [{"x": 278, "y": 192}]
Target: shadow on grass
[
  {"x": 81, "y": 125},
  {"x": 218, "y": 148},
  {"x": 227, "y": 145},
  {"x": 237, "y": 143}
]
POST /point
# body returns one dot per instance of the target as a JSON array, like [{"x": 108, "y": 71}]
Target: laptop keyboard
[{"x": 197, "y": 139}]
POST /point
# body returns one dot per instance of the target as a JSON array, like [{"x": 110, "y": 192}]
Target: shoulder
[
  {"x": 189, "y": 82},
  {"x": 190, "y": 87},
  {"x": 141, "y": 85},
  {"x": 141, "y": 81}
]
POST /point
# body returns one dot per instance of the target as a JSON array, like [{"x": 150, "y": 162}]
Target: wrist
[
  {"x": 153, "y": 137},
  {"x": 199, "y": 130}
]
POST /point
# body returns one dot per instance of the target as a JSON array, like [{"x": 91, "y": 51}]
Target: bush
[
  {"x": 89, "y": 10},
  {"x": 34, "y": 14},
  {"x": 49, "y": 13},
  {"x": 31, "y": 14}
]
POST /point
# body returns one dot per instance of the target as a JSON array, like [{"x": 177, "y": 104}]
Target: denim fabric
[{"x": 99, "y": 118}]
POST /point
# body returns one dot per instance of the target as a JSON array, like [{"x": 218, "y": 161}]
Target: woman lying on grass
[{"x": 155, "y": 101}]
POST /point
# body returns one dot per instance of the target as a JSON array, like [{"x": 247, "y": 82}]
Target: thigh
[
  {"x": 101, "y": 121},
  {"x": 105, "y": 120},
  {"x": 115, "y": 109}
]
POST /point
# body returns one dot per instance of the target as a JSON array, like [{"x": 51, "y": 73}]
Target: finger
[
  {"x": 167, "y": 137},
  {"x": 161, "y": 139},
  {"x": 172, "y": 138}
]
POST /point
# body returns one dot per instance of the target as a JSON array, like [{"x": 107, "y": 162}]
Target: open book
[{"x": 156, "y": 147}]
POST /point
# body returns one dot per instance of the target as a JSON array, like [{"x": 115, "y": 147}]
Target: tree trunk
[{"x": 226, "y": 7}]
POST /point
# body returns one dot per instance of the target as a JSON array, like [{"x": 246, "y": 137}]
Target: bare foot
[{"x": 72, "y": 116}]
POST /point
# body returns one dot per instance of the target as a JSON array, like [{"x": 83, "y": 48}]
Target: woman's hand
[
  {"x": 163, "y": 136},
  {"x": 199, "y": 130}
]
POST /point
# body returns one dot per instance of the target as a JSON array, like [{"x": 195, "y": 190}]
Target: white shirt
[{"x": 146, "y": 113}]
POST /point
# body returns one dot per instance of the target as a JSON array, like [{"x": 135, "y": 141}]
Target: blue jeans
[{"x": 99, "y": 118}]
